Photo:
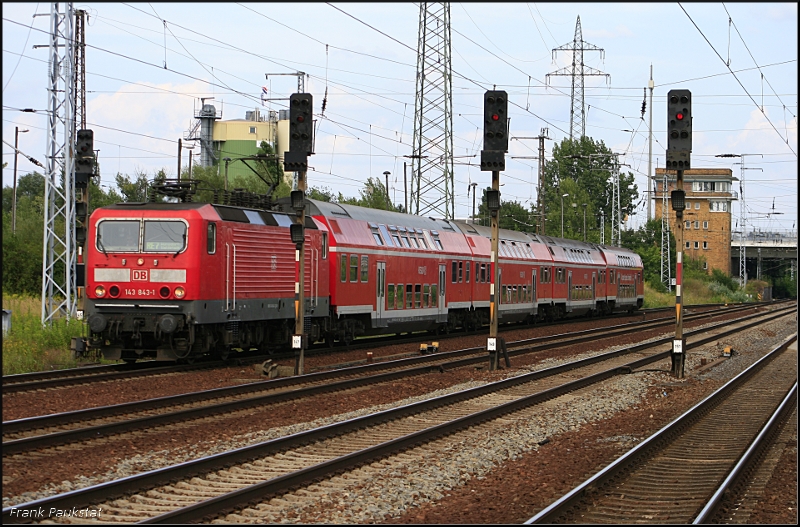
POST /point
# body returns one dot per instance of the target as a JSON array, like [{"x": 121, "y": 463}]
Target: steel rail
[
  {"x": 645, "y": 449},
  {"x": 72, "y": 376},
  {"x": 109, "y": 490},
  {"x": 27, "y": 444},
  {"x": 758, "y": 444}
]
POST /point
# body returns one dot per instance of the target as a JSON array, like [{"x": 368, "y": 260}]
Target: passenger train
[{"x": 175, "y": 281}]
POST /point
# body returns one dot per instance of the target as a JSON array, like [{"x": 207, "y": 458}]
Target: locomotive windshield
[
  {"x": 164, "y": 236},
  {"x": 118, "y": 236}
]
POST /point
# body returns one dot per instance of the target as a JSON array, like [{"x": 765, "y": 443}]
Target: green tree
[
  {"x": 132, "y": 190},
  {"x": 582, "y": 168},
  {"x": 646, "y": 242}
]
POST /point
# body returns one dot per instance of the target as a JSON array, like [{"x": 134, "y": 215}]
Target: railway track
[
  {"x": 289, "y": 466},
  {"x": 113, "y": 372},
  {"x": 681, "y": 473},
  {"x": 26, "y": 435}
]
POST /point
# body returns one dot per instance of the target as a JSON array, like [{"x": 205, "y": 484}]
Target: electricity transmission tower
[
  {"x": 432, "y": 159},
  {"x": 616, "y": 213},
  {"x": 58, "y": 259},
  {"x": 578, "y": 70}
]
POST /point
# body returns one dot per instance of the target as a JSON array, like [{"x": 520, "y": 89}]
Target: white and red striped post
[{"x": 679, "y": 344}]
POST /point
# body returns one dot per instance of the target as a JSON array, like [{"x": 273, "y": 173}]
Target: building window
[
  {"x": 688, "y": 245},
  {"x": 705, "y": 265},
  {"x": 688, "y": 205},
  {"x": 696, "y": 224},
  {"x": 705, "y": 245},
  {"x": 687, "y": 224},
  {"x": 252, "y": 129},
  {"x": 696, "y": 245},
  {"x": 705, "y": 225},
  {"x": 696, "y": 205},
  {"x": 718, "y": 206}
]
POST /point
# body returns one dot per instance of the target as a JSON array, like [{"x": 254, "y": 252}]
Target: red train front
[{"x": 177, "y": 281}]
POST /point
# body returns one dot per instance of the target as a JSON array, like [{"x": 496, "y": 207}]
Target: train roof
[{"x": 376, "y": 216}]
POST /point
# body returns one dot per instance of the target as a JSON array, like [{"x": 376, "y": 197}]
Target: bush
[
  {"x": 724, "y": 279},
  {"x": 29, "y": 347}
]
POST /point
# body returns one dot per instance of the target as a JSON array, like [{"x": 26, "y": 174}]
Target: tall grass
[{"x": 30, "y": 347}]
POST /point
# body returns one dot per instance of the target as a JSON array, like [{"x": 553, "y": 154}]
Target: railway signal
[
  {"x": 679, "y": 129},
  {"x": 495, "y": 130},
  {"x": 301, "y": 132},
  {"x": 679, "y": 153},
  {"x": 84, "y": 157}
]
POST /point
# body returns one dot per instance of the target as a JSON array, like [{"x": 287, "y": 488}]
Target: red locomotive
[{"x": 180, "y": 280}]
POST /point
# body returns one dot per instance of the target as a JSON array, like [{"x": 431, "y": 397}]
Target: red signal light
[
  {"x": 679, "y": 116},
  {"x": 300, "y": 118},
  {"x": 495, "y": 117}
]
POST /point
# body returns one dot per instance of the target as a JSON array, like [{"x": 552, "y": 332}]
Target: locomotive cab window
[
  {"x": 118, "y": 236},
  {"x": 164, "y": 236},
  {"x": 212, "y": 238}
]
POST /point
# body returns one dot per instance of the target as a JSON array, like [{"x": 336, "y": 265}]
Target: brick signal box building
[{"x": 707, "y": 218}]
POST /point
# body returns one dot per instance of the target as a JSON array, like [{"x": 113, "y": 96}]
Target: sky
[{"x": 149, "y": 64}]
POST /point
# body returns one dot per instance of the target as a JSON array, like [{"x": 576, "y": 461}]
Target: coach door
[
  {"x": 569, "y": 292},
  {"x": 442, "y": 315},
  {"x": 380, "y": 295}
]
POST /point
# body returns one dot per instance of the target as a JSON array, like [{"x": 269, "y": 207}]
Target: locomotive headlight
[
  {"x": 100, "y": 291},
  {"x": 180, "y": 292}
]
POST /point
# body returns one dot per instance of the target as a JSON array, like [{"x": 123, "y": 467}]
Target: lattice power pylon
[
  {"x": 432, "y": 160},
  {"x": 666, "y": 267},
  {"x": 616, "y": 212},
  {"x": 58, "y": 261},
  {"x": 578, "y": 70}
]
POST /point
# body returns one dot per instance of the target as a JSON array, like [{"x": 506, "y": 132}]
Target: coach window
[
  {"x": 436, "y": 242},
  {"x": 460, "y": 272},
  {"x": 416, "y": 243},
  {"x": 468, "y": 266},
  {"x": 454, "y": 272},
  {"x": 434, "y": 295},
  {"x": 482, "y": 276},
  {"x": 405, "y": 242},
  {"x": 426, "y": 295},
  {"x": 354, "y": 268},
  {"x": 377, "y": 236},
  {"x": 343, "y": 268},
  {"x": 409, "y": 296},
  {"x": 212, "y": 238},
  {"x": 423, "y": 242},
  {"x": 417, "y": 295},
  {"x": 365, "y": 268},
  {"x": 324, "y": 245},
  {"x": 611, "y": 276},
  {"x": 390, "y": 297}
]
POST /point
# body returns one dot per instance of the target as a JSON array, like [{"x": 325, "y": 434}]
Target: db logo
[{"x": 140, "y": 275}]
